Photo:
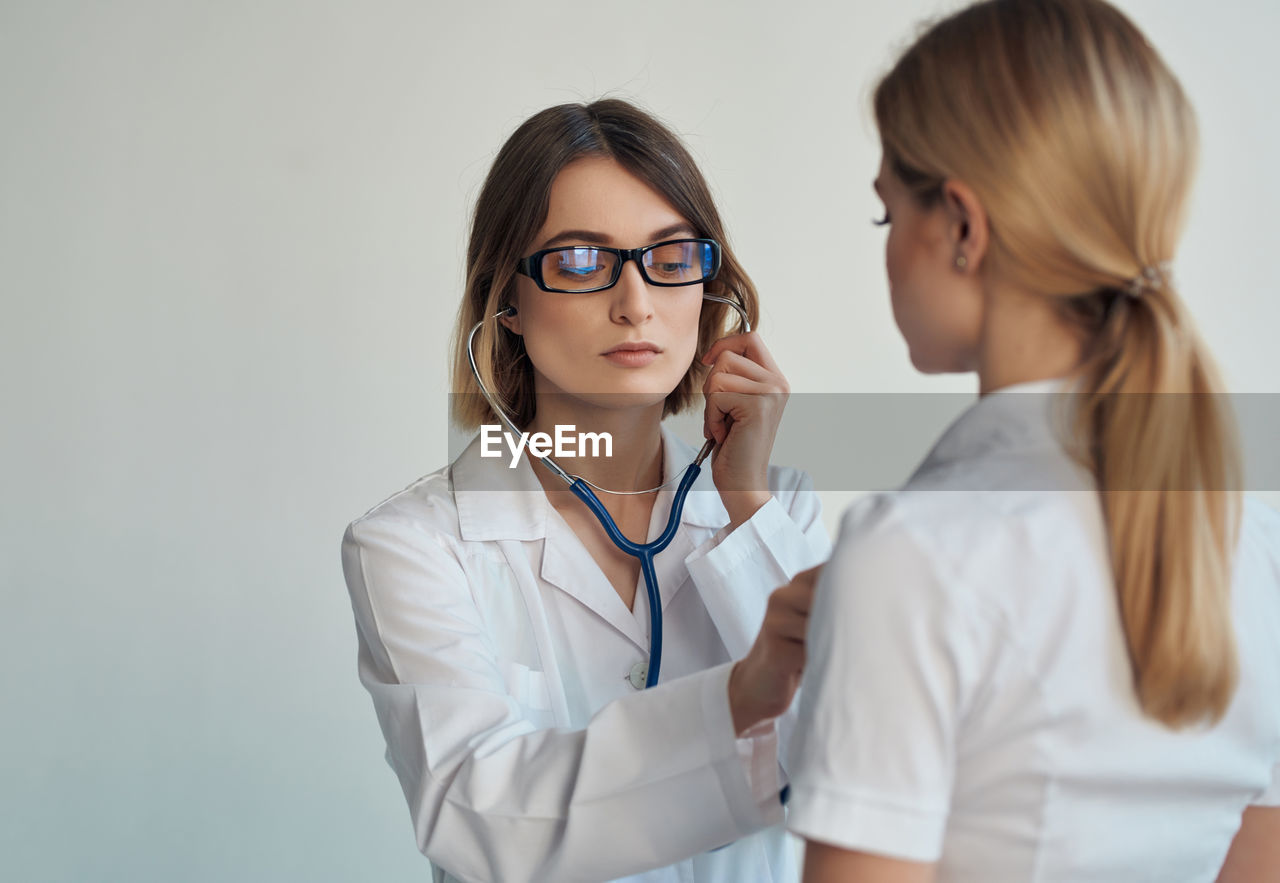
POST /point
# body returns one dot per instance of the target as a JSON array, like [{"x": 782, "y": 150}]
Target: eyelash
[{"x": 883, "y": 221}]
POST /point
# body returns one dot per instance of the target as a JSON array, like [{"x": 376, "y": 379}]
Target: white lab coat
[{"x": 497, "y": 655}]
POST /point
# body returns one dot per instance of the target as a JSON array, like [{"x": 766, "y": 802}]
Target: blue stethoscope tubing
[
  {"x": 645, "y": 552},
  {"x": 582, "y": 490}
]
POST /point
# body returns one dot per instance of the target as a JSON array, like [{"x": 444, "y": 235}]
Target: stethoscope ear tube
[
  {"x": 643, "y": 551},
  {"x": 580, "y": 487}
]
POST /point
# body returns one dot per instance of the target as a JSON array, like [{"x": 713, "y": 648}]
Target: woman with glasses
[
  {"x": 502, "y": 636},
  {"x": 1055, "y": 654}
]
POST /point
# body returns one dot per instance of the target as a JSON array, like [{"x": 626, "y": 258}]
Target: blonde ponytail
[
  {"x": 1081, "y": 145},
  {"x": 1164, "y": 451}
]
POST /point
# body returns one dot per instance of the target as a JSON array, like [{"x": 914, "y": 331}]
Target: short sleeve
[
  {"x": 1271, "y": 797},
  {"x": 892, "y": 660}
]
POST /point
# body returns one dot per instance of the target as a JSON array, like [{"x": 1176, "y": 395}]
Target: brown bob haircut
[{"x": 512, "y": 208}]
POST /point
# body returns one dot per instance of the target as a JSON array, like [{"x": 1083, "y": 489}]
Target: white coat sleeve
[
  {"x": 655, "y": 777},
  {"x": 1271, "y": 796},
  {"x": 736, "y": 571}
]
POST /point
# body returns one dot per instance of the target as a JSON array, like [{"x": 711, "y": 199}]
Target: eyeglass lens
[{"x": 583, "y": 267}]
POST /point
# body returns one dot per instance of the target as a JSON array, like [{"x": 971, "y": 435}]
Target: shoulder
[
  {"x": 946, "y": 527},
  {"x": 884, "y": 554},
  {"x": 1256, "y": 582},
  {"x": 983, "y": 551},
  {"x": 423, "y": 514},
  {"x": 1258, "y": 550},
  {"x": 1261, "y": 526}
]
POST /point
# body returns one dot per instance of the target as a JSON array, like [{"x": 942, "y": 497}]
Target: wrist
[
  {"x": 741, "y": 505},
  {"x": 739, "y": 711}
]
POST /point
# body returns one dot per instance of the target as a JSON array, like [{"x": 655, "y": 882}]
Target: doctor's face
[
  {"x": 630, "y": 344},
  {"x": 937, "y": 309}
]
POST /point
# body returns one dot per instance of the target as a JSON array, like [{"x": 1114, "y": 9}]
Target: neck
[
  {"x": 1023, "y": 339},
  {"x": 636, "y": 461}
]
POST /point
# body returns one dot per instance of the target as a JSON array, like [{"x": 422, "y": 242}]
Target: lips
[
  {"x": 634, "y": 347},
  {"x": 633, "y": 354}
]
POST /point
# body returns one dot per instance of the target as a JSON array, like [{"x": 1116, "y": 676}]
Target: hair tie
[{"x": 1152, "y": 278}]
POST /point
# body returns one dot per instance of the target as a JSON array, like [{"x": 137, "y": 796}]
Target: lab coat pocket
[{"x": 528, "y": 687}]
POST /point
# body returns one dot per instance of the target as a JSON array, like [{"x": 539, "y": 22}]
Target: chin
[
  {"x": 942, "y": 356},
  {"x": 622, "y": 399},
  {"x": 931, "y": 363},
  {"x": 921, "y": 361}
]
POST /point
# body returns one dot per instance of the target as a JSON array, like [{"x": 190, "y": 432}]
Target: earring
[{"x": 961, "y": 262}]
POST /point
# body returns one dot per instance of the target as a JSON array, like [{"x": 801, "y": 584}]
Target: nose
[{"x": 632, "y": 299}]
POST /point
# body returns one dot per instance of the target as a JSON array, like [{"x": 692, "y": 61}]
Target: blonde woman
[
  {"x": 1055, "y": 654},
  {"x": 503, "y": 637}
]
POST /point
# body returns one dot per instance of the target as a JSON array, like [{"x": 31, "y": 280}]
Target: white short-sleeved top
[{"x": 968, "y": 698}]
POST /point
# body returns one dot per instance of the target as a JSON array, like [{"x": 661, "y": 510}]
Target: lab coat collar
[
  {"x": 1025, "y": 416},
  {"x": 495, "y": 502},
  {"x": 498, "y": 503}
]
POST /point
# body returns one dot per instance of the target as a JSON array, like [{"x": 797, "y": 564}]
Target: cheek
[
  {"x": 933, "y": 310},
  {"x": 893, "y": 257},
  {"x": 548, "y": 325},
  {"x": 687, "y": 315},
  {"x": 904, "y": 271}
]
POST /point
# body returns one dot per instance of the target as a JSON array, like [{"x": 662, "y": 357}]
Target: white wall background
[{"x": 231, "y": 243}]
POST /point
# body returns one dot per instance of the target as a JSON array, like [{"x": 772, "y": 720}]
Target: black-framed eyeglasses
[{"x": 578, "y": 269}]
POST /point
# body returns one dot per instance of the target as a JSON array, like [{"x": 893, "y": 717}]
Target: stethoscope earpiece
[
  {"x": 511, "y": 311},
  {"x": 742, "y": 313}
]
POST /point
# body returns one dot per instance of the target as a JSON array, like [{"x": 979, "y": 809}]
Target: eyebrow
[{"x": 593, "y": 238}]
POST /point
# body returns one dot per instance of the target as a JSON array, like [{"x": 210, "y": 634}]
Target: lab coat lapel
[
  {"x": 498, "y": 503},
  {"x": 569, "y": 567}
]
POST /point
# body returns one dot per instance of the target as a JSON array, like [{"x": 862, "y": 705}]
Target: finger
[
  {"x": 725, "y": 382},
  {"x": 795, "y": 596},
  {"x": 803, "y": 582},
  {"x": 729, "y": 362},
  {"x": 785, "y": 621},
  {"x": 715, "y": 422},
  {"x": 724, "y": 410},
  {"x": 793, "y": 629},
  {"x": 750, "y": 345}
]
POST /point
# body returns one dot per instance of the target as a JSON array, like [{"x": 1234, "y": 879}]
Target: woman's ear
[
  {"x": 510, "y": 320},
  {"x": 967, "y": 224}
]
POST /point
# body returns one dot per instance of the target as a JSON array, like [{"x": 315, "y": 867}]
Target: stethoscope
[{"x": 582, "y": 489}]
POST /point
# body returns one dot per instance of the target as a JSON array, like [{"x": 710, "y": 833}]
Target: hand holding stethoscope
[{"x": 745, "y": 396}]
